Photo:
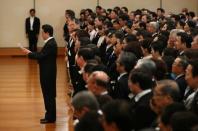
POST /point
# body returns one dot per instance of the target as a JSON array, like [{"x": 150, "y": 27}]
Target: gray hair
[
  {"x": 147, "y": 65},
  {"x": 174, "y": 32},
  {"x": 170, "y": 87},
  {"x": 85, "y": 99},
  {"x": 155, "y": 25},
  {"x": 128, "y": 60}
]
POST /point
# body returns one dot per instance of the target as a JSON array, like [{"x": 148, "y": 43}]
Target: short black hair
[
  {"x": 91, "y": 121},
  {"x": 192, "y": 14},
  {"x": 183, "y": 121},
  {"x": 84, "y": 41},
  {"x": 170, "y": 52},
  {"x": 108, "y": 24},
  {"x": 32, "y": 10},
  {"x": 70, "y": 13},
  {"x": 170, "y": 110},
  {"x": 143, "y": 78},
  {"x": 99, "y": 7},
  {"x": 124, "y": 17},
  {"x": 89, "y": 67},
  {"x": 125, "y": 8},
  {"x": 146, "y": 44},
  {"x": 101, "y": 18},
  {"x": 158, "y": 46},
  {"x": 181, "y": 23},
  {"x": 144, "y": 33},
  {"x": 81, "y": 33},
  {"x": 191, "y": 24},
  {"x": 86, "y": 53},
  {"x": 194, "y": 64},
  {"x": 119, "y": 35},
  {"x": 161, "y": 69},
  {"x": 130, "y": 38},
  {"x": 118, "y": 112},
  {"x": 185, "y": 38},
  {"x": 135, "y": 48},
  {"x": 161, "y": 9},
  {"x": 48, "y": 29}
]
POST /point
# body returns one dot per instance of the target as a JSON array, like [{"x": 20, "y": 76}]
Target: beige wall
[
  {"x": 177, "y": 5},
  {"x": 14, "y": 12}
]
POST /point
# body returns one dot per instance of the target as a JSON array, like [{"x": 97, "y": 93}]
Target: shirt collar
[
  {"x": 122, "y": 74},
  {"x": 179, "y": 76},
  {"x": 48, "y": 39},
  {"x": 108, "y": 46},
  {"x": 104, "y": 93},
  {"x": 81, "y": 70},
  {"x": 141, "y": 94}
]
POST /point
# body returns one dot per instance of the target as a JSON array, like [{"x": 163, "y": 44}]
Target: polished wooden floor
[{"x": 21, "y": 102}]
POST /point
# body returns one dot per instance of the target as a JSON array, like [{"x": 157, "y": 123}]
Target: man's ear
[
  {"x": 85, "y": 110},
  {"x": 169, "y": 99},
  {"x": 114, "y": 126},
  {"x": 81, "y": 58}
]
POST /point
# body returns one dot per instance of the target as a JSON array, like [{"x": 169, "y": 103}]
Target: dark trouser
[
  {"x": 76, "y": 79},
  {"x": 73, "y": 72},
  {"x": 48, "y": 87},
  {"x": 50, "y": 106},
  {"x": 32, "y": 41}
]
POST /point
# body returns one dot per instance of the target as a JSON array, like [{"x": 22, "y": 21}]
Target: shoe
[{"x": 45, "y": 121}]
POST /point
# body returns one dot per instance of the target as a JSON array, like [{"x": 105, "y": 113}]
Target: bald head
[
  {"x": 98, "y": 82},
  {"x": 100, "y": 75}
]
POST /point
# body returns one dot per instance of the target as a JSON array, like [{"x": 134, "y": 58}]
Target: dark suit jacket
[
  {"x": 36, "y": 25},
  {"x": 103, "y": 99},
  {"x": 143, "y": 115},
  {"x": 102, "y": 49},
  {"x": 71, "y": 56},
  {"x": 47, "y": 64},
  {"x": 182, "y": 84},
  {"x": 95, "y": 39},
  {"x": 121, "y": 88},
  {"x": 108, "y": 53},
  {"x": 111, "y": 66},
  {"x": 79, "y": 83},
  {"x": 194, "y": 105},
  {"x": 66, "y": 32}
]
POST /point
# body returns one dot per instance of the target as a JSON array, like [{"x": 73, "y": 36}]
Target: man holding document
[{"x": 47, "y": 65}]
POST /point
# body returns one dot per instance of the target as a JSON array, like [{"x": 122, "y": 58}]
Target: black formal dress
[
  {"x": 48, "y": 68},
  {"x": 32, "y": 32}
]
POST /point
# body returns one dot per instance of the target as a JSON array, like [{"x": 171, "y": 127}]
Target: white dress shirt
[
  {"x": 141, "y": 94},
  {"x": 45, "y": 41},
  {"x": 31, "y": 23}
]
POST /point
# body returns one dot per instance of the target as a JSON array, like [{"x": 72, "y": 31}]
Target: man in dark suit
[
  {"x": 140, "y": 84},
  {"x": 125, "y": 62},
  {"x": 192, "y": 80},
  {"x": 47, "y": 64},
  {"x": 69, "y": 15},
  {"x": 178, "y": 68},
  {"x": 32, "y": 27}
]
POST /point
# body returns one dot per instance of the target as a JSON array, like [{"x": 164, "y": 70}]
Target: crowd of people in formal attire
[{"x": 133, "y": 71}]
